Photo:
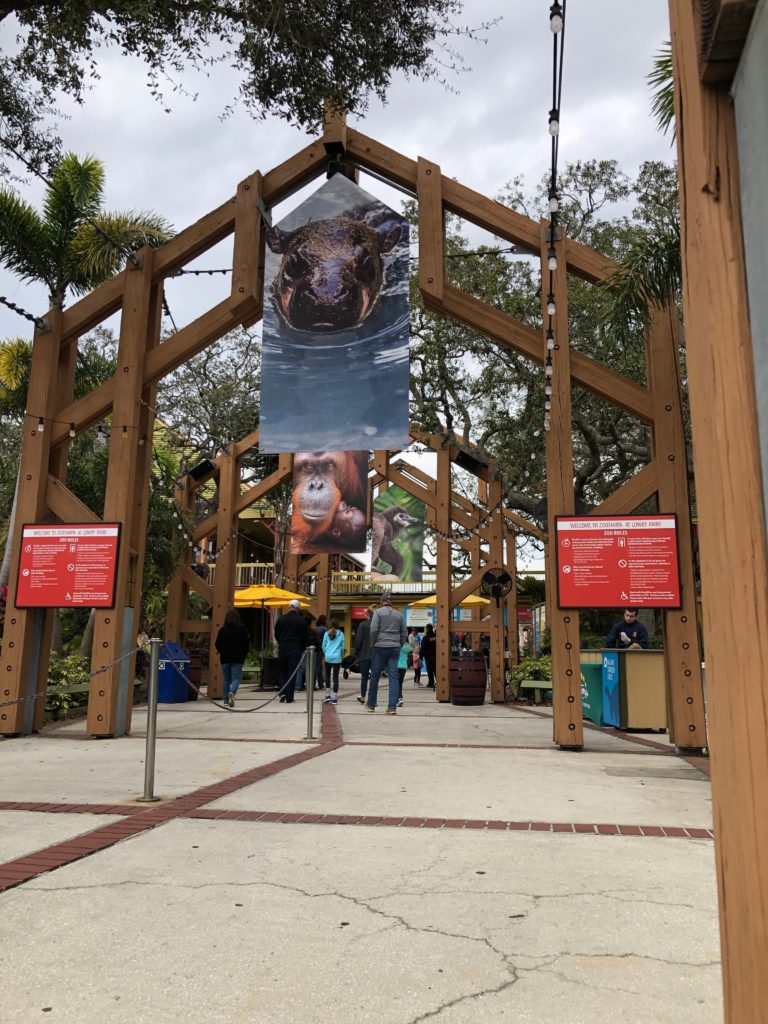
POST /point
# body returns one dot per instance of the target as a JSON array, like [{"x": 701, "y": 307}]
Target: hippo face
[{"x": 331, "y": 272}]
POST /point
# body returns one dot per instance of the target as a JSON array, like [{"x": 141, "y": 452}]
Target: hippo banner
[{"x": 335, "y": 340}]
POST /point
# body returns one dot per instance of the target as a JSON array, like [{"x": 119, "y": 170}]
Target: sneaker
[
  {"x": 391, "y": 711},
  {"x": 369, "y": 708},
  {"x": 334, "y": 699},
  {"x": 327, "y": 698},
  {"x": 231, "y": 700},
  {"x": 283, "y": 698},
  {"x": 400, "y": 702},
  {"x": 361, "y": 700}
]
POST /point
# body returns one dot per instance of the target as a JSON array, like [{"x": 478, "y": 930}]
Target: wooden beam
[
  {"x": 248, "y": 254},
  {"x": 724, "y": 29},
  {"x": 431, "y": 232},
  {"x": 443, "y": 588},
  {"x": 687, "y": 728},
  {"x": 108, "y": 702},
  {"x": 194, "y": 626},
  {"x": 523, "y": 524},
  {"x": 194, "y": 582},
  {"x": 226, "y": 561},
  {"x": 563, "y": 624},
  {"x": 22, "y": 671},
  {"x": 512, "y": 334},
  {"x": 731, "y": 513},
  {"x": 634, "y": 492},
  {"x": 65, "y": 506}
]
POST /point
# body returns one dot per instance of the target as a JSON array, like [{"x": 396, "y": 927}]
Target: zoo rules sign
[
  {"x": 617, "y": 561},
  {"x": 68, "y": 566}
]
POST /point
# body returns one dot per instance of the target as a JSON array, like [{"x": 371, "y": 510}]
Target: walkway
[{"x": 472, "y": 871}]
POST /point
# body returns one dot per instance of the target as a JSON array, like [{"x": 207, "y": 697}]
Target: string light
[
  {"x": 554, "y": 121},
  {"x": 556, "y": 17},
  {"x": 40, "y": 425},
  {"x": 550, "y": 339},
  {"x": 551, "y": 258},
  {"x": 71, "y": 429},
  {"x": 550, "y": 312}
]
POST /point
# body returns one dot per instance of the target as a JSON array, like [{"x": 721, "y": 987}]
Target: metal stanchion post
[
  {"x": 149, "y": 757},
  {"x": 309, "y": 682}
]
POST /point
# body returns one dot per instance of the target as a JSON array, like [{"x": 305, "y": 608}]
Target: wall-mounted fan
[{"x": 496, "y": 583}]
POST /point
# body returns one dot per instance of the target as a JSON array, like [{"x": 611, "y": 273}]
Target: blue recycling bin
[{"x": 173, "y": 674}]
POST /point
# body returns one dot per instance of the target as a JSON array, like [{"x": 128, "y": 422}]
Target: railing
[{"x": 343, "y": 584}]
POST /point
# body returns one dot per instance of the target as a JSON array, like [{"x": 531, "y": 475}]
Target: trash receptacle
[
  {"x": 592, "y": 692},
  {"x": 173, "y": 674}
]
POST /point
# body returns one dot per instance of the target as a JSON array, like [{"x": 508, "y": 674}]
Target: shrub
[
  {"x": 530, "y": 668},
  {"x": 63, "y": 674}
]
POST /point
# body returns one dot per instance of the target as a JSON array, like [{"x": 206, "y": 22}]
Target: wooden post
[
  {"x": 496, "y": 559},
  {"x": 687, "y": 725},
  {"x": 730, "y": 507},
  {"x": 226, "y": 560},
  {"x": 564, "y": 625},
  {"x": 177, "y": 607},
  {"x": 113, "y": 632},
  {"x": 23, "y": 665},
  {"x": 431, "y": 234},
  {"x": 512, "y": 630},
  {"x": 248, "y": 253},
  {"x": 443, "y": 596}
]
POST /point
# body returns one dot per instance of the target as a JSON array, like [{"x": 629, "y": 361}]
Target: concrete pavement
[{"x": 443, "y": 864}]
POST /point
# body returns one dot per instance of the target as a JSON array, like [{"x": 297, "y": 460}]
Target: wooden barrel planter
[{"x": 467, "y": 678}]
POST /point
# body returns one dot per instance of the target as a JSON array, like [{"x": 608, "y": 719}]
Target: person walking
[
  {"x": 429, "y": 654},
  {"x": 402, "y": 667},
  {"x": 293, "y": 638},
  {"x": 232, "y": 644},
  {"x": 362, "y": 652},
  {"x": 321, "y": 628},
  {"x": 414, "y": 642},
  {"x": 388, "y": 634},
  {"x": 333, "y": 652}
]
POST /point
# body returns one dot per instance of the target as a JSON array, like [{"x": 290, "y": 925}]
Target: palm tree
[
  {"x": 651, "y": 268},
  {"x": 67, "y": 247}
]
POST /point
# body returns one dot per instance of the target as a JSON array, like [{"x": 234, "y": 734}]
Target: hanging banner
[
  {"x": 334, "y": 370},
  {"x": 330, "y": 503},
  {"x": 398, "y": 535},
  {"x": 617, "y": 561},
  {"x": 71, "y": 565}
]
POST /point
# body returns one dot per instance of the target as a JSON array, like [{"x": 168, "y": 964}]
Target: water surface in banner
[{"x": 335, "y": 339}]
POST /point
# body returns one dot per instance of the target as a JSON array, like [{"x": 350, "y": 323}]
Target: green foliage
[
  {"x": 662, "y": 82},
  {"x": 530, "y": 668},
  {"x": 63, "y": 674},
  {"x": 61, "y": 247},
  {"x": 533, "y": 587},
  {"x": 290, "y": 56}
]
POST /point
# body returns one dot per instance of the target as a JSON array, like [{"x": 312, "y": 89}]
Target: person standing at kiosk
[{"x": 628, "y": 632}]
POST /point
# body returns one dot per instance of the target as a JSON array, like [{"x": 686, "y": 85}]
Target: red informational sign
[
  {"x": 617, "y": 561},
  {"x": 357, "y": 612},
  {"x": 69, "y": 565}
]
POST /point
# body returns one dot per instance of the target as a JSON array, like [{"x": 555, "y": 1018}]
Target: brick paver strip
[{"x": 137, "y": 819}]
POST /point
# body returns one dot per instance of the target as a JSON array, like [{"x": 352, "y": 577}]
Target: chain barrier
[
  {"x": 66, "y": 689},
  {"x": 225, "y": 707}
]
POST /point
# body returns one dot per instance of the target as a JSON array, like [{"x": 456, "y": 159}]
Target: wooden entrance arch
[{"x": 142, "y": 361}]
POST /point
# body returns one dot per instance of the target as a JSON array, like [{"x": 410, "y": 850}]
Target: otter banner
[
  {"x": 334, "y": 372},
  {"x": 398, "y": 535},
  {"x": 330, "y": 503}
]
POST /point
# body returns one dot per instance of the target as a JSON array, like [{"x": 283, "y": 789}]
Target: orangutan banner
[
  {"x": 334, "y": 371},
  {"x": 398, "y": 535},
  {"x": 330, "y": 503}
]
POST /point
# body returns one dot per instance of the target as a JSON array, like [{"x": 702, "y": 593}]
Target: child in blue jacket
[
  {"x": 402, "y": 665},
  {"x": 333, "y": 652}
]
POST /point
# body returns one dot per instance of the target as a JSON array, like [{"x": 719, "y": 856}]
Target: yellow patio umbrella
[
  {"x": 468, "y": 602},
  {"x": 262, "y": 595}
]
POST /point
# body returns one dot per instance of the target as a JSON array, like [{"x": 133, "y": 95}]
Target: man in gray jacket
[{"x": 388, "y": 634}]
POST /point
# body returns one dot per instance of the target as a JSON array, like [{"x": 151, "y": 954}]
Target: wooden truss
[{"x": 142, "y": 361}]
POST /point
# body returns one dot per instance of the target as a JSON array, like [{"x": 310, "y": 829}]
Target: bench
[{"x": 539, "y": 686}]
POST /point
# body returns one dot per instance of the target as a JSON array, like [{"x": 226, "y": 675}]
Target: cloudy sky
[{"x": 492, "y": 128}]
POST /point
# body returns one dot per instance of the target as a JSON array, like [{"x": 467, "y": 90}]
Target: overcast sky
[{"x": 493, "y": 127}]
